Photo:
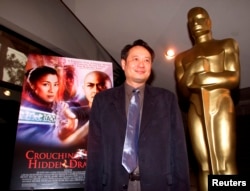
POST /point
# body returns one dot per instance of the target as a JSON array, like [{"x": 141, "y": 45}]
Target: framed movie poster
[{"x": 51, "y": 137}]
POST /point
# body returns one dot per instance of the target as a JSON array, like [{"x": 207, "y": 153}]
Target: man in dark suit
[{"x": 162, "y": 154}]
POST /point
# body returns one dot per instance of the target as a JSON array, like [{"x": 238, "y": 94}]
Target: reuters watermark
[{"x": 228, "y": 183}]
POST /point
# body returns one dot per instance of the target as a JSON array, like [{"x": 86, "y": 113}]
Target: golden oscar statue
[{"x": 206, "y": 74}]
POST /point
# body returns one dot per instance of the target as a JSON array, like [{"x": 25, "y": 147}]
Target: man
[
  {"x": 70, "y": 80},
  {"x": 162, "y": 154},
  {"x": 205, "y": 75}
]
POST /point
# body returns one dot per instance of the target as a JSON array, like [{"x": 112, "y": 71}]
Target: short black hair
[{"x": 139, "y": 42}]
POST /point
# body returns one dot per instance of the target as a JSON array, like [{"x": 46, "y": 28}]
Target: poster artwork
[{"x": 51, "y": 138}]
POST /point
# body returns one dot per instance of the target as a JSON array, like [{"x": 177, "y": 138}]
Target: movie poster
[{"x": 51, "y": 137}]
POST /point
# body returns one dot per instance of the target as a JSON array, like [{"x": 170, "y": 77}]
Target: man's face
[
  {"x": 70, "y": 82},
  {"x": 137, "y": 66},
  {"x": 93, "y": 84}
]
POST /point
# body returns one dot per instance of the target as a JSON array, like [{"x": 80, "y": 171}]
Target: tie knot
[{"x": 136, "y": 91}]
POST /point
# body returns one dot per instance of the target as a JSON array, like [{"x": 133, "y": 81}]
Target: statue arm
[
  {"x": 181, "y": 78},
  {"x": 230, "y": 76},
  {"x": 186, "y": 75},
  {"x": 214, "y": 80},
  {"x": 232, "y": 62}
]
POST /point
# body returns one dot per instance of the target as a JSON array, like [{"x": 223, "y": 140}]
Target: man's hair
[
  {"x": 139, "y": 42},
  {"x": 69, "y": 71}
]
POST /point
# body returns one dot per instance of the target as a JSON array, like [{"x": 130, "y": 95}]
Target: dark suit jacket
[{"x": 163, "y": 160}]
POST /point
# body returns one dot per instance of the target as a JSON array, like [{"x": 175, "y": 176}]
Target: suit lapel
[
  {"x": 147, "y": 114},
  {"x": 119, "y": 102}
]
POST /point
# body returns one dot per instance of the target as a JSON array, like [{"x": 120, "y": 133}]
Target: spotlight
[
  {"x": 7, "y": 93},
  {"x": 170, "y": 54}
]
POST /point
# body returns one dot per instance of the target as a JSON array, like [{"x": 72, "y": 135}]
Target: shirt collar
[{"x": 129, "y": 89}]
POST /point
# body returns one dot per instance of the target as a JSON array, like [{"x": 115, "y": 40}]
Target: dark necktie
[{"x": 129, "y": 157}]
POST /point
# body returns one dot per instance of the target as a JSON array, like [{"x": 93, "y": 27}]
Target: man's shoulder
[
  {"x": 111, "y": 92},
  {"x": 159, "y": 90}
]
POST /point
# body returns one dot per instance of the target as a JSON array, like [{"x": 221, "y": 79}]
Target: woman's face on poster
[{"x": 47, "y": 87}]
